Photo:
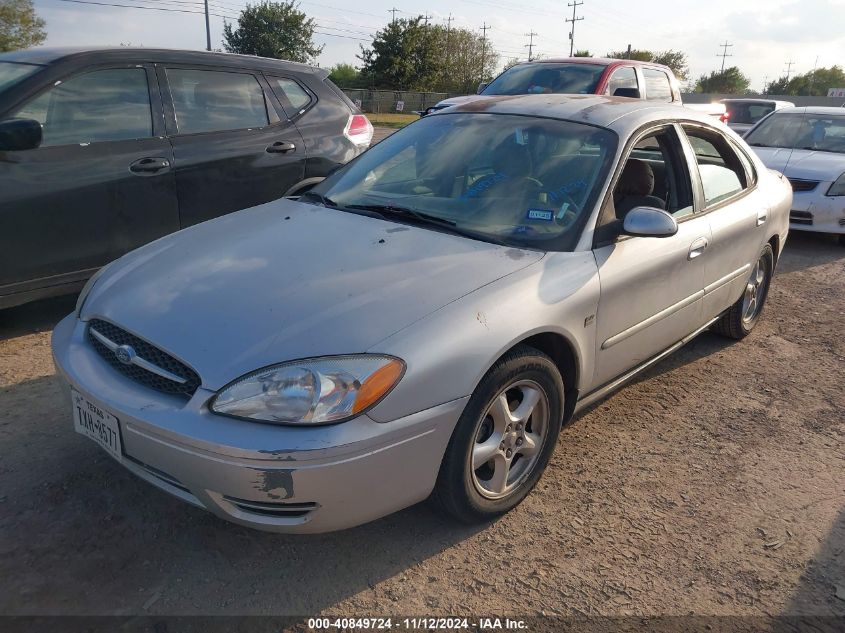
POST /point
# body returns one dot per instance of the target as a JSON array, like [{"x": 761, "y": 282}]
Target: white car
[
  {"x": 744, "y": 114},
  {"x": 807, "y": 145}
]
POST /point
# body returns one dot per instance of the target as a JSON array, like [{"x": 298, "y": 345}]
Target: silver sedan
[{"x": 424, "y": 321}]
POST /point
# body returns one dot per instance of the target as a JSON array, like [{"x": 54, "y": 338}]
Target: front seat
[{"x": 634, "y": 189}]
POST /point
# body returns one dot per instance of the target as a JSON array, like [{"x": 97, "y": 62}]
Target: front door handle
[
  {"x": 281, "y": 147},
  {"x": 762, "y": 216},
  {"x": 697, "y": 248},
  {"x": 149, "y": 166}
]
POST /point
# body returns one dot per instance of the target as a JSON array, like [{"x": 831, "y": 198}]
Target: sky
[{"x": 764, "y": 34}]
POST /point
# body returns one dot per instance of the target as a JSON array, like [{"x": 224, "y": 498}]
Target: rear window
[
  {"x": 748, "y": 112},
  {"x": 800, "y": 131},
  {"x": 657, "y": 85},
  {"x": 547, "y": 78},
  {"x": 11, "y": 73}
]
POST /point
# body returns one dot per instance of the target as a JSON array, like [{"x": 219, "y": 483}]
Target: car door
[
  {"x": 736, "y": 210},
  {"x": 651, "y": 288},
  {"x": 99, "y": 185},
  {"x": 232, "y": 148}
]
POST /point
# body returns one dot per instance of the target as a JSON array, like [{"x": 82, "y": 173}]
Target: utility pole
[
  {"x": 574, "y": 6},
  {"x": 530, "y": 44},
  {"x": 628, "y": 54},
  {"x": 425, "y": 18},
  {"x": 207, "y": 29},
  {"x": 789, "y": 65},
  {"x": 765, "y": 84},
  {"x": 448, "y": 31},
  {"x": 393, "y": 12},
  {"x": 724, "y": 53},
  {"x": 813, "y": 76},
  {"x": 484, "y": 30}
]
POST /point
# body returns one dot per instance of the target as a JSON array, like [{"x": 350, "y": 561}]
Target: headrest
[{"x": 637, "y": 179}]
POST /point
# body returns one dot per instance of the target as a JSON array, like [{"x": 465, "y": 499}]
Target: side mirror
[
  {"x": 19, "y": 134},
  {"x": 649, "y": 222},
  {"x": 631, "y": 93},
  {"x": 482, "y": 86}
]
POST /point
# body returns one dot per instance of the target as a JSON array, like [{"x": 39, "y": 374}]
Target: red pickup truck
[{"x": 586, "y": 75}]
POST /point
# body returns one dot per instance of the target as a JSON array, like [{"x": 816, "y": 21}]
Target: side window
[
  {"x": 655, "y": 175},
  {"x": 296, "y": 95},
  {"x": 210, "y": 100},
  {"x": 722, "y": 172},
  {"x": 102, "y": 105},
  {"x": 657, "y": 86},
  {"x": 624, "y": 78}
]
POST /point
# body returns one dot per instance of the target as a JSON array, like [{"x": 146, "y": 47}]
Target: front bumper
[
  {"x": 274, "y": 478},
  {"x": 814, "y": 211}
]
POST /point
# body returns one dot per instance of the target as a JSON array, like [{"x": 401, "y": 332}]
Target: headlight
[
  {"x": 311, "y": 391},
  {"x": 838, "y": 187},
  {"x": 86, "y": 289}
]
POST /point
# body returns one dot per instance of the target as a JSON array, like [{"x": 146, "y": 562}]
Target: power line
[
  {"x": 789, "y": 65},
  {"x": 574, "y": 6},
  {"x": 393, "y": 13},
  {"x": 724, "y": 53},
  {"x": 134, "y": 6},
  {"x": 530, "y": 44}
]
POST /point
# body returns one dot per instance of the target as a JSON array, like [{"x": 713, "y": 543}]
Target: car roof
[
  {"x": 618, "y": 113},
  {"x": 754, "y": 100},
  {"x": 44, "y": 55},
  {"x": 819, "y": 110},
  {"x": 603, "y": 61}
]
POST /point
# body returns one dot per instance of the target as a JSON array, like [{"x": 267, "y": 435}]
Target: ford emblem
[{"x": 125, "y": 354}]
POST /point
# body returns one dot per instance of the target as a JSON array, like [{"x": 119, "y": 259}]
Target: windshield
[
  {"x": 507, "y": 179},
  {"x": 800, "y": 131},
  {"x": 546, "y": 78},
  {"x": 747, "y": 112},
  {"x": 12, "y": 73}
]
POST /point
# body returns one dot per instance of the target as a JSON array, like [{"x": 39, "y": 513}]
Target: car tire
[
  {"x": 743, "y": 315},
  {"x": 519, "y": 440},
  {"x": 842, "y": 239}
]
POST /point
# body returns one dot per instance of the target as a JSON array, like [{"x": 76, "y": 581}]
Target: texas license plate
[{"x": 94, "y": 422}]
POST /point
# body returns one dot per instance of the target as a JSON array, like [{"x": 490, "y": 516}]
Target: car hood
[
  {"x": 802, "y": 163},
  {"x": 459, "y": 100},
  {"x": 289, "y": 280}
]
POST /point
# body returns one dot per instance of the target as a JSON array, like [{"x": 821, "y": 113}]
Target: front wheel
[
  {"x": 742, "y": 316},
  {"x": 504, "y": 438}
]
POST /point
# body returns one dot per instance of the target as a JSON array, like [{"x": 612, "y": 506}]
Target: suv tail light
[
  {"x": 724, "y": 117},
  {"x": 359, "y": 130}
]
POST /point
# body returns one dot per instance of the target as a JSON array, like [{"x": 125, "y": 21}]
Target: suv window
[
  {"x": 740, "y": 112},
  {"x": 657, "y": 85},
  {"x": 210, "y": 100},
  {"x": 722, "y": 171},
  {"x": 625, "y": 78},
  {"x": 102, "y": 105},
  {"x": 295, "y": 94}
]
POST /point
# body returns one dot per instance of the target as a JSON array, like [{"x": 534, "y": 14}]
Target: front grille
[
  {"x": 147, "y": 352},
  {"x": 279, "y": 510},
  {"x": 801, "y": 217},
  {"x": 803, "y": 185}
]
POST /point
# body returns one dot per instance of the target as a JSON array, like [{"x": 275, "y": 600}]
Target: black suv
[{"x": 104, "y": 150}]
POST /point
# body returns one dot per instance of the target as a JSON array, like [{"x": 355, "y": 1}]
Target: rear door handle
[
  {"x": 281, "y": 147},
  {"x": 697, "y": 248},
  {"x": 149, "y": 166},
  {"x": 762, "y": 216}
]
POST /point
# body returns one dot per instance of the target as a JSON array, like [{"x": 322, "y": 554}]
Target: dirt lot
[{"x": 715, "y": 484}]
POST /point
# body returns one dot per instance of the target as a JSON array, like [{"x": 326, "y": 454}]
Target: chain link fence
[{"x": 379, "y": 101}]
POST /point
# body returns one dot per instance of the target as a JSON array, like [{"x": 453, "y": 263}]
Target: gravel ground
[{"x": 712, "y": 485}]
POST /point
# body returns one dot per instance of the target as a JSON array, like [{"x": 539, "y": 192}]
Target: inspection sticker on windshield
[
  {"x": 92, "y": 421},
  {"x": 540, "y": 214}
]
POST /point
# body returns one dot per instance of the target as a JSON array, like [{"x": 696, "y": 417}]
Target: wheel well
[
  {"x": 560, "y": 350},
  {"x": 775, "y": 243}
]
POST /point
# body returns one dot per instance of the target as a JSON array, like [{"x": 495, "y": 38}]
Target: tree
[
  {"x": 731, "y": 81},
  {"x": 273, "y": 29},
  {"x": 513, "y": 61},
  {"x": 583, "y": 53},
  {"x": 676, "y": 60},
  {"x": 407, "y": 54},
  {"x": 345, "y": 76},
  {"x": 813, "y": 83},
  {"x": 20, "y": 26}
]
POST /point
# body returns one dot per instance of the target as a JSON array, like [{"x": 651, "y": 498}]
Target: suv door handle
[
  {"x": 281, "y": 147},
  {"x": 149, "y": 166},
  {"x": 762, "y": 216},
  {"x": 697, "y": 248}
]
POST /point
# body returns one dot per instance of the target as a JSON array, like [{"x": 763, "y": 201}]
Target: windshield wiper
[
  {"x": 759, "y": 145},
  {"x": 403, "y": 212},
  {"x": 820, "y": 149},
  {"x": 326, "y": 202}
]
